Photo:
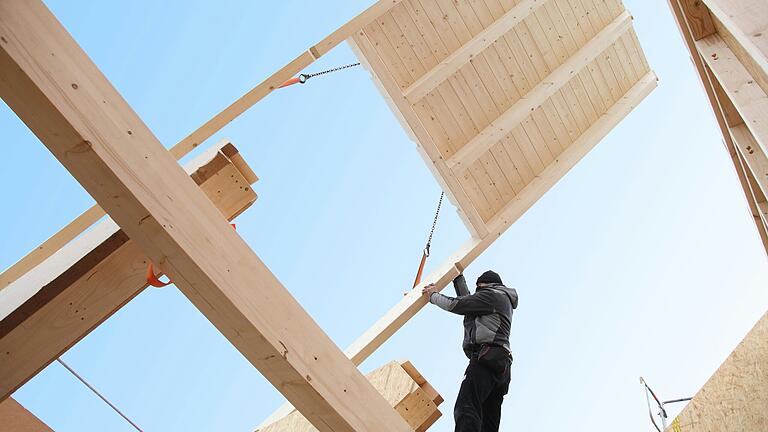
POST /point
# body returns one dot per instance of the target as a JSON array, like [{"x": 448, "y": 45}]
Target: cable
[{"x": 96, "y": 392}]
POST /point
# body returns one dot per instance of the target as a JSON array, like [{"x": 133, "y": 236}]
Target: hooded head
[{"x": 489, "y": 277}]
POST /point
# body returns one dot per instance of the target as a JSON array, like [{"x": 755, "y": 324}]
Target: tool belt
[{"x": 493, "y": 357}]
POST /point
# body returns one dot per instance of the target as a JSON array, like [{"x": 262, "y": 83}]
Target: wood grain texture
[
  {"x": 494, "y": 91},
  {"x": 53, "y": 86},
  {"x": 735, "y": 398},
  {"x": 64, "y": 298},
  {"x": 15, "y": 418},
  {"x": 404, "y": 388}
]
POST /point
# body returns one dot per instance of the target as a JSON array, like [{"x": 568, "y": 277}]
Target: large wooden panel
[
  {"x": 493, "y": 91},
  {"x": 736, "y": 397}
]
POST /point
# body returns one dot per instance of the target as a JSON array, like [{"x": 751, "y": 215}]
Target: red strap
[
  {"x": 152, "y": 278},
  {"x": 421, "y": 268},
  {"x": 290, "y": 82}
]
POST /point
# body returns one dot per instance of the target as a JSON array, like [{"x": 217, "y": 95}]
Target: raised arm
[
  {"x": 479, "y": 303},
  {"x": 460, "y": 285}
]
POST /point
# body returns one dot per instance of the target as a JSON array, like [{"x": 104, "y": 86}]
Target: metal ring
[{"x": 303, "y": 78}]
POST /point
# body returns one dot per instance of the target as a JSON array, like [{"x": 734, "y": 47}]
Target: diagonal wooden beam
[
  {"x": 52, "y": 307},
  {"x": 52, "y": 85},
  {"x": 15, "y": 418},
  {"x": 739, "y": 85},
  {"x": 413, "y": 302},
  {"x": 207, "y": 130},
  {"x": 513, "y": 116},
  {"x": 435, "y": 76},
  {"x": 747, "y": 22}
]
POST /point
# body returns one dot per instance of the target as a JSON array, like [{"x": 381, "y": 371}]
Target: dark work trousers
[{"x": 478, "y": 405}]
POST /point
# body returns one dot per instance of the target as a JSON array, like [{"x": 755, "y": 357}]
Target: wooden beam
[
  {"x": 735, "y": 398},
  {"x": 416, "y": 130},
  {"x": 688, "y": 30},
  {"x": 54, "y": 87},
  {"x": 511, "y": 118},
  {"x": 49, "y": 309},
  {"x": 747, "y": 22},
  {"x": 207, "y": 130},
  {"x": 413, "y": 301},
  {"x": 753, "y": 154},
  {"x": 16, "y": 418},
  {"x": 400, "y": 384},
  {"x": 740, "y": 87},
  {"x": 435, "y": 76},
  {"x": 699, "y": 21}
]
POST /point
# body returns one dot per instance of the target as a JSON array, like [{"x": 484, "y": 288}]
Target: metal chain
[
  {"x": 434, "y": 224},
  {"x": 304, "y": 77}
]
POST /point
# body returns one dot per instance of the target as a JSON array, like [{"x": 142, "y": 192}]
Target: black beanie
[{"x": 489, "y": 277}]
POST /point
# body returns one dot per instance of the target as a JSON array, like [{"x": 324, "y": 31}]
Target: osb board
[
  {"x": 400, "y": 384},
  {"x": 493, "y": 91},
  {"x": 736, "y": 397}
]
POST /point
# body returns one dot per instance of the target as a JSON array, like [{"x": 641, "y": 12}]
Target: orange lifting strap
[
  {"x": 152, "y": 278},
  {"x": 425, "y": 252}
]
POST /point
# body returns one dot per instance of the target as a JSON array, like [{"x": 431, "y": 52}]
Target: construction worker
[{"x": 487, "y": 322}]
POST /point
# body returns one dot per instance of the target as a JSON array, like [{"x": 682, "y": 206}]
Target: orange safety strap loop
[
  {"x": 290, "y": 82},
  {"x": 152, "y": 278},
  {"x": 421, "y": 268}
]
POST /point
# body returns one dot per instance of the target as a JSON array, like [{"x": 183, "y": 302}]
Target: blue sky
[{"x": 643, "y": 260}]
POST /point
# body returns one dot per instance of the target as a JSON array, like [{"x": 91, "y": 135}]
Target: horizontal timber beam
[
  {"x": 400, "y": 384},
  {"x": 52, "y": 307},
  {"x": 735, "y": 398},
  {"x": 52, "y": 85},
  {"x": 15, "y": 418},
  {"x": 207, "y": 130},
  {"x": 413, "y": 301},
  {"x": 435, "y": 76},
  {"x": 513, "y": 116}
]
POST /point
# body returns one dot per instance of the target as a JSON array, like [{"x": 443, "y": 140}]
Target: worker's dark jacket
[{"x": 487, "y": 313}]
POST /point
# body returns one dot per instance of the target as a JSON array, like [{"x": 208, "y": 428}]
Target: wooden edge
[
  {"x": 745, "y": 40},
  {"x": 15, "y": 418},
  {"x": 405, "y": 389},
  {"x": 415, "y": 130}
]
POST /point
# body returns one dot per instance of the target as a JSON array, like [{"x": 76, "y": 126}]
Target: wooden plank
[
  {"x": 735, "y": 398},
  {"x": 698, "y": 19},
  {"x": 207, "y": 130},
  {"x": 470, "y": 50},
  {"x": 52, "y": 85},
  {"x": 754, "y": 155},
  {"x": 760, "y": 74},
  {"x": 16, "y": 418},
  {"x": 52, "y": 307},
  {"x": 518, "y": 112},
  {"x": 747, "y": 22},
  {"x": 744, "y": 93},
  {"x": 399, "y": 383}
]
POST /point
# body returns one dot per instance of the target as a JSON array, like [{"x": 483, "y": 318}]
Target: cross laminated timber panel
[{"x": 495, "y": 92}]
